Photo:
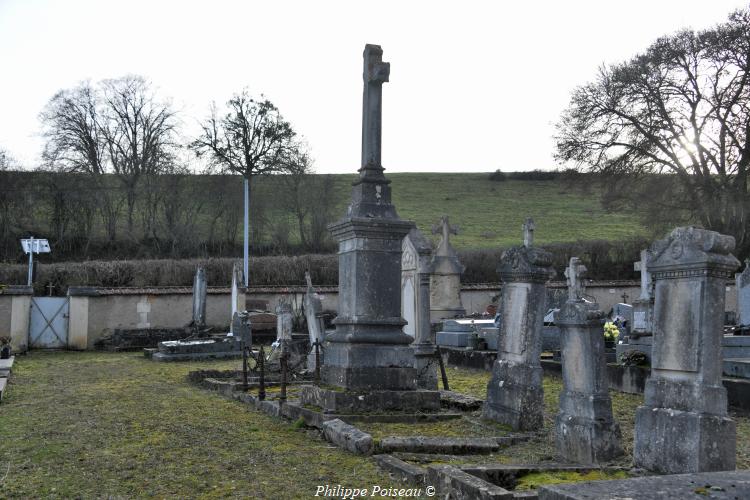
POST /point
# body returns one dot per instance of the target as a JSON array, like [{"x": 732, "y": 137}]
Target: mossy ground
[{"x": 94, "y": 425}]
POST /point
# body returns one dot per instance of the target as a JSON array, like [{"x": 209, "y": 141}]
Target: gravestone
[
  {"x": 199, "y": 299},
  {"x": 241, "y": 328},
  {"x": 683, "y": 424},
  {"x": 369, "y": 351},
  {"x": 415, "y": 305},
  {"x": 743, "y": 294},
  {"x": 315, "y": 322},
  {"x": 237, "y": 296},
  {"x": 585, "y": 430},
  {"x": 284, "y": 322},
  {"x": 643, "y": 306},
  {"x": 514, "y": 393},
  {"x": 445, "y": 281}
]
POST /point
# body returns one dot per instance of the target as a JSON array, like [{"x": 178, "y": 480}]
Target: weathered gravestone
[
  {"x": 514, "y": 393},
  {"x": 445, "y": 281},
  {"x": 238, "y": 297},
  {"x": 585, "y": 430},
  {"x": 315, "y": 322},
  {"x": 241, "y": 328},
  {"x": 683, "y": 425},
  {"x": 284, "y": 320},
  {"x": 368, "y": 355},
  {"x": 415, "y": 305},
  {"x": 743, "y": 294},
  {"x": 643, "y": 306},
  {"x": 200, "y": 289}
]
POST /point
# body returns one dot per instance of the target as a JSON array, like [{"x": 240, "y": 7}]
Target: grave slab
[
  {"x": 717, "y": 485},
  {"x": 6, "y": 366},
  {"x": 3, "y": 385}
]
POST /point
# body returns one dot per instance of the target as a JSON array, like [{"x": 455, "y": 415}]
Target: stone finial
[
  {"x": 528, "y": 232},
  {"x": 573, "y": 273},
  {"x": 445, "y": 230}
]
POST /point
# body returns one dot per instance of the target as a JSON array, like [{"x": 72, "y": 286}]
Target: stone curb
[
  {"x": 348, "y": 437},
  {"x": 403, "y": 470}
]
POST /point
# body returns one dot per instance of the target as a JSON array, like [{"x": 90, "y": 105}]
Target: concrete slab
[
  {"x": 3, "y": 384},
  {"x": 6, "y": 366},
  {"x": 737, "y": 367},
  {"x": 717, "y": 485}
]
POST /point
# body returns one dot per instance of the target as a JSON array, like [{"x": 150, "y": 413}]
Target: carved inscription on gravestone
[{"x": 674, "y": 343}]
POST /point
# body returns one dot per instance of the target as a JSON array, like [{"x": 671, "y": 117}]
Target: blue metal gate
[{"x": 48, "y": 325}]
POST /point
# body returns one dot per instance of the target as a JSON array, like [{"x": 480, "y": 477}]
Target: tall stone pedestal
[
  {"x": 514, "y": 393},
  {"x": 683, "y": 425},
  {"x": 585, "y": 430},
  {"x": 368, "y": 353}
]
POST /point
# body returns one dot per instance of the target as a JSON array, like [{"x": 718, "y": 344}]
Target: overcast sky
[{"x": 474, "y": 86}]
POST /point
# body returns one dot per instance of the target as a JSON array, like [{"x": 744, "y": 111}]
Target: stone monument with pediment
[
  {"x": 683, "y": 425},
  {"x": 514, "y": 393}
]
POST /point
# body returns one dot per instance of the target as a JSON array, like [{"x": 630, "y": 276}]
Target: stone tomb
[
  {"x": 416, "y": 267},
  {"x": 585, "y": 430},
  {"x": 683, "y": 425},
  {"x": 368, "y": 356},
  {"x": 514, "y": 393}
]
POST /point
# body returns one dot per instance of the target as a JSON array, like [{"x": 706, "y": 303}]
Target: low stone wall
[{"x": 15, "y": 308}]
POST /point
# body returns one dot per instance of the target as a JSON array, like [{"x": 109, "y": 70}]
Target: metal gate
[{"x": 48, "y": 326}]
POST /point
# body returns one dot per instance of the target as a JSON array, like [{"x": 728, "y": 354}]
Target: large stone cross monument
[{"x": 368, "y": 350}]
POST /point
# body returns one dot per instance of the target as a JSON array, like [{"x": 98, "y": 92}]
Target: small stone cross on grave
[
  {"x": 445, "y": 230},
  {"x": 625, "y": 297},
  {"x": 528, "y": 232},
  {"x": 574, "y": 272}
]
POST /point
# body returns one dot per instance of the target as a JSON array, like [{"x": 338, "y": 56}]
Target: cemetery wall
[{"x": 97, "y": 312}]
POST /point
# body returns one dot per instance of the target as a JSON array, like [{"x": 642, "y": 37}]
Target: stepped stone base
[{"x": 337, "y": 401}]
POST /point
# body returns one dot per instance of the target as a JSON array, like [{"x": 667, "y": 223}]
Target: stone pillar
[
  {"x": 284, "y": 322},
  {"x": 20, "y": 311},
  {"x": 585, "y": 430},
  {"x": 742, "y": 281},
  {"x": 683, "y": 425},
  {"x": 445, "y": 280},
  {"x": 416, "y": 268},
  {"x": 199, "y": 299},
  {"x": 315, "y": 323},
  {"x": 368, "y": 349},
  {"x": 643, "y": 306},
  {"x": 514, "y": 393}
]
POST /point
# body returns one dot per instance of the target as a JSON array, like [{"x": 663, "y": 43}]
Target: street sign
[{"x": 38, "y": 246}]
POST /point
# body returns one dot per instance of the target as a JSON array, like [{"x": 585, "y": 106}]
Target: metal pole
[
  {"x": 244, "y": 364},
  {"x": 317, "y": 361},
  {"x": 262, "y": 380},
  {"x": 246, "y": 229},
  {"x": 31, "y": 259},
  {"x": 442, "y": 368},
  {"x": 284, "y": 368}
]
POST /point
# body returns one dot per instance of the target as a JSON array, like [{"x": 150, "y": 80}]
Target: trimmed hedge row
[{"x": 605, "y": 261}]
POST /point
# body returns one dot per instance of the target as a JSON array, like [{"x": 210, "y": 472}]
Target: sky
[{"x": 474, "y": 85}]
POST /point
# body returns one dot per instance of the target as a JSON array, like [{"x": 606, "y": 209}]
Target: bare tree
[
  {"x": 252, "y": 138},
  {"x": 680, "y": 110},
  {"x": 138, "y": 132},
  {"x": 72, "y": 128}
]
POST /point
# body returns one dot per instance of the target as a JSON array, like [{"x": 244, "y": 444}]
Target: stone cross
[
  {"x": 445, "y": 230},
  {"x": 376, "y": 72},
  {"x": 528, "y": 232},
  {"x": 625, "y": 297},
  {"x": 574, "y": 273},
  {"x": 642, "y": 266}
]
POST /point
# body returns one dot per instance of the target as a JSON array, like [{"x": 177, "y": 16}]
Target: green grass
[
  {"x": 534, "y": 480},
  {"x": 116, "y": 425}
]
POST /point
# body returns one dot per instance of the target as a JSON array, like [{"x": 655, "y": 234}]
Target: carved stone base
[
  {"x": 670, "y": 441},
  {"x": 515, "y": 396},
  {"x": 361, "y": 367},
  {"x": 587, "y": 441},
  {"x": 333, "y": 401}
]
